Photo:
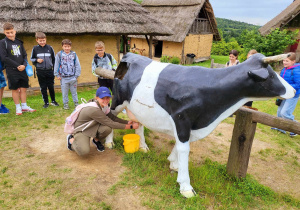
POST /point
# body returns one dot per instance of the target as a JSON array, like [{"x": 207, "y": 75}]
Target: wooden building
[
  {"x": 288, "y": 19},
  {"x": 83, "y": 22},
  {"x": 192, "y": 22}
]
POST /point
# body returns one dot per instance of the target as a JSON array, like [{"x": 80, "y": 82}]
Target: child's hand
[
  {"x": 39, "y": 60},
  {"x": 59, "y": 78},
  {"x": 21, "y": 68}
]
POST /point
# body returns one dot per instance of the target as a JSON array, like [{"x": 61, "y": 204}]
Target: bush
[
  {"x": 272, "y": 44},
  {"x": 164, "y": 59},
  {"x": 223, "y": 48},
  {"x": 169, "y": 59},
  {"x": 175, "y": 60}
]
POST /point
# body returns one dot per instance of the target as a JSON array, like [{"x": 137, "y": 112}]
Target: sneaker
[
  {"x": 99, "y": 145},
  {"x": 70, "y": 136},
  {"x": 280, "y": 130},
  {"x": 75, "y": 104},
  {"x": 27, "y": 109},
  {"x": 293, "y": 134},
  {"x": 46, "y": 105},
  {"x": 5, "y": 110},
  {"x": 19, "y": 111},
  {"x": 54, "y": 103},
  {"x": 66, "y": 106}
]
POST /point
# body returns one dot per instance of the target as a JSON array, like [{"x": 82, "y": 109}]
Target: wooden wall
[{"x": 199, "y": 44}]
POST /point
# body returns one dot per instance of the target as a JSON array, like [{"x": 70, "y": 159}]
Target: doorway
[{"x": 158, "y": 49}]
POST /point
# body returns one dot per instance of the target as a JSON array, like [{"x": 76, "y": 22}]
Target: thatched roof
[
  {"x": 80, "y": 16},
  {"x": 179, "y": 16},
  {"x": 282, "y": 19}
]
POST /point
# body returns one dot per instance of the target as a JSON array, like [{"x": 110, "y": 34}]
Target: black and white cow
[{"x": 189, "y": 102}]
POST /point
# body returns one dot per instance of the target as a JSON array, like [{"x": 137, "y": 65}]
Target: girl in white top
[{"x": 233, "y": 55}]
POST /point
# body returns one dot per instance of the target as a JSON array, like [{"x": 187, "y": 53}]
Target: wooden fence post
[
  {"x": 212, "y": 63},
  {"x": 241, "y": 143}
]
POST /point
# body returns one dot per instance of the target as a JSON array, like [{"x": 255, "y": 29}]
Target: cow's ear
[
  {"x": 121, "y": 70},
  {"x": 259, "y": 75}
]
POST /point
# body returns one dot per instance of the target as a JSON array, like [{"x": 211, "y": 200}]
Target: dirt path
[{"x": 107, "y": 166}]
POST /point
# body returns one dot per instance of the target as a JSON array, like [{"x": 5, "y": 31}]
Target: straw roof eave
[
  {"x": 115, "y": 17},
  {"x": 282, "y": 18},
  {"x": 179, "y": 16}
]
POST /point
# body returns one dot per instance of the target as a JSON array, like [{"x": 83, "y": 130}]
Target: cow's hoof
[
  {"x": 110, "y": 145},
  {"x": 174, "y": 169},
  {"x": 189, "y": 194},
  {"x": 144, "y": 149}
]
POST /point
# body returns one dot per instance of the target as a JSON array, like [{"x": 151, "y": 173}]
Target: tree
[{"x": 272, "y": 44}]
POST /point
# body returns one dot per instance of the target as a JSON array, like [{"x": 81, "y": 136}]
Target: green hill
[{"x": 232, "y": 28}]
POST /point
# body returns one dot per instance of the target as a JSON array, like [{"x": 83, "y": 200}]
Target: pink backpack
[{"x": 70, "y": 121}]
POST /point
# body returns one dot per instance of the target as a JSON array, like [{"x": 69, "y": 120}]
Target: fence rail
[{"x": 243, "y": 135}]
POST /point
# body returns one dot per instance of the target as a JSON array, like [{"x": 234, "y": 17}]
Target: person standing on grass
[
  {"x": 103, "y": 60},
  {"x": 102, "y": 121},
  {"x": 67, "y": 69},
  {"x": 43, "y": 57},
  {"x": 291, "y": 74},
  {"x": 3, "y": 109},
  {"x": 14, "y": 58},
  {"x": 233, "y": 55}
]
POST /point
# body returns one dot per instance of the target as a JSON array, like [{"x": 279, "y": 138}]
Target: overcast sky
[{"x": 257, "y": 12}]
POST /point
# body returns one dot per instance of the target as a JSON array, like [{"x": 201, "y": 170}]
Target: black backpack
[{"x": 109, "y": 57}]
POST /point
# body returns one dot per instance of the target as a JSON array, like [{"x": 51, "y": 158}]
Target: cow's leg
[
  {"x": 183, "y": 178},
  {"x": 140, "y": 132},
  {"x": 109, "y": 141},
  {"x": 173, "y": 158}
]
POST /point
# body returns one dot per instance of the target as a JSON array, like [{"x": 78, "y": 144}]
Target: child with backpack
[
  {"x": 103, "y": 60},
  {"x": 67, "y": 69},
  {"x": 93, "y": 120},
  {"x": 14, "y": 58}
]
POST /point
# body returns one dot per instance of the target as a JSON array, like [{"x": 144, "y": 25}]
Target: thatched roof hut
[
  {"x": 180, "y": 15},
  {"x": 192, "y": 22},
  {"x": 80, "y": 16},
  {"x": 83, "y": 22},
  {"x": 287, "y": 18}
]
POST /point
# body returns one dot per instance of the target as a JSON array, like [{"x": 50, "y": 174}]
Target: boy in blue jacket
[
  {"x": 43, "y": 57},
  {"x": 67, "y": 69}
]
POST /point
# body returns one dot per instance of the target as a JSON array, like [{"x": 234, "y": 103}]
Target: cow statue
[{"x": 188, "y": 102}]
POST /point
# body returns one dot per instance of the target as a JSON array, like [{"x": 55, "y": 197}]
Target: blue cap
[{"x": 103, "y": 92}]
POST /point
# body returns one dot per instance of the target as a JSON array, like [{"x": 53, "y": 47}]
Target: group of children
[{"x": 65, "y": 66}]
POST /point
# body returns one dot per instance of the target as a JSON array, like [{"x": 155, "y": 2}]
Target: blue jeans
[{"x": 287, "y": 107}]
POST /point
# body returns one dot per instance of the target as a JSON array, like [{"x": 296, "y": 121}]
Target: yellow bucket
[{"x": 131, "y": 143}]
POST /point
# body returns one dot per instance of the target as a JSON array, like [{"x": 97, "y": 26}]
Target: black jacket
[
  {"x": 12, "y": 53},
  {"x": 46, "y": 53}
]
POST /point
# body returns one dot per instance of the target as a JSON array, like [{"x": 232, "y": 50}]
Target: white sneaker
[
  {"x": 19, "y": 111},
  {"x": 27, "y": 109}
]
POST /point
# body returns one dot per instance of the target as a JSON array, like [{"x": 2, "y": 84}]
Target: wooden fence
[{"x": 243, "y": 135}]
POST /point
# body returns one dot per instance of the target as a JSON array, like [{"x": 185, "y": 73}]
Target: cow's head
[{"x": 263, "y": 80}]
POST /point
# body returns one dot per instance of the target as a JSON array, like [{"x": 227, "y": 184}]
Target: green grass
[
  {"x": 217, "y": 59},
  {"x": 147, "y": 173},
  {"x": 150, "y": 173}
]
